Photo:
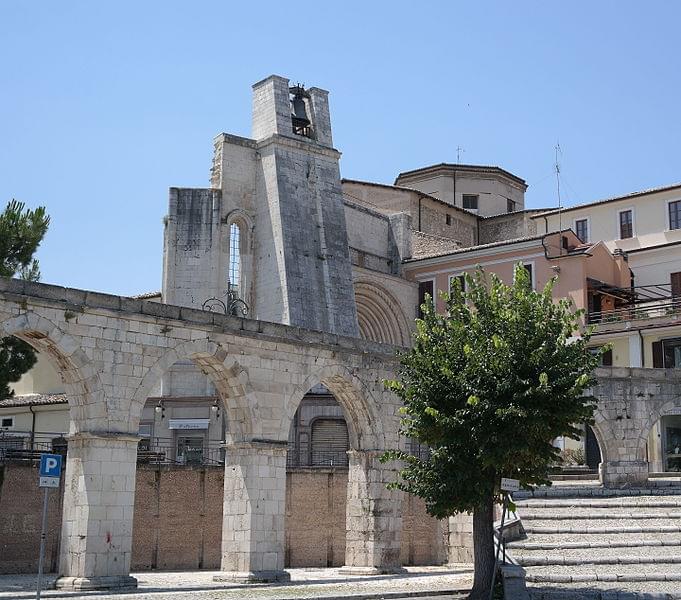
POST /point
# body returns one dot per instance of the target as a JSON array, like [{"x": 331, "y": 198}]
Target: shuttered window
[
  {"x": 330, "y": 443},
  {"x": 676, "y": 283},
  {"x": 626, "y": 224},
  {"x": 425, "y": 287}
]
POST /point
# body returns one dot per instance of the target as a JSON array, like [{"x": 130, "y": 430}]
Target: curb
[
  {"x": 454, "y": 593},
  {"x": 557, "y": 594}
]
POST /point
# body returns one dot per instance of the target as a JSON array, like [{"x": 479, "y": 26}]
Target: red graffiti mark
[{"x": 108, "y": 537}]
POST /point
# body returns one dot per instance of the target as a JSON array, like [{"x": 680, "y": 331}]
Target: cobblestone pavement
[{"x": 305, "y": 583}]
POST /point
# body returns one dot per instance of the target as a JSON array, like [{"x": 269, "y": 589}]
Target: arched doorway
[{"x": 663, "y": 444}]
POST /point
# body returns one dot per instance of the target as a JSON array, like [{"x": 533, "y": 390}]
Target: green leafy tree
[
  {"x": 487, "y": 386},
  {"x": 21, "y": 231}
]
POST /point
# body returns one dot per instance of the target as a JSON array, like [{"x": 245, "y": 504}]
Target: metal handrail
[{"x": 637, "y": 312}]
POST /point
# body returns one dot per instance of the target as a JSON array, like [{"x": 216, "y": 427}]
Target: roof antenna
[
  {"x": 560, "y": 207},
  {"x": 459, "y": 150}
]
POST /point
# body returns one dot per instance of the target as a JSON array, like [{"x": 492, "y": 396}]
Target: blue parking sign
[{"x": 50, "y": 465}]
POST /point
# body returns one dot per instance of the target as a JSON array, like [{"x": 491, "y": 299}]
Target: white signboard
[
  {"x": 52, "y": 482},
  {"x": 188, "y": 423},
  {"x": 509, "y": 485}
]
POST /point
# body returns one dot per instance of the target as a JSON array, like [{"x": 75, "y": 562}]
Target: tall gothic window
[{"x": 235, "y": 256}]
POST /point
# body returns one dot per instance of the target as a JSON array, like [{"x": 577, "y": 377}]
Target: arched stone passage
[
  {"x": 660, "y": 435},
  {"x": 84, "y": 390},
  {"x": 365, "y": 425},
  {"x": 379, "y": 315},
  {"x": 373, "y": 530},
  {"x": 100, "y": 465},
  {"x": 230, "y": 379}
]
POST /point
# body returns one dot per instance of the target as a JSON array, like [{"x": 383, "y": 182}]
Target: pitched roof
[
  {"x": 489, "y": 169},
  {"x": 664, "y": 188},
  {"x": 33, "y": 400}
]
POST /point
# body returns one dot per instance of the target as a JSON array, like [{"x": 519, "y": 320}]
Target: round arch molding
[{"x": 379, "y": 315}]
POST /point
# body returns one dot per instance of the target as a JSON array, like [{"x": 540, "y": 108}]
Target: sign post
[{"x": 50, "y": 472}]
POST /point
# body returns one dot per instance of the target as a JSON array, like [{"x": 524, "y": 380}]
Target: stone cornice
[{"x": 307, "y": 146}]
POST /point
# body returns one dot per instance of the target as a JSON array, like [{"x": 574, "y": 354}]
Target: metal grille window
[
  {"x": 626, "y": 224},
  {"x": 330, "y": 443},
  {"x": 582, "y": 229},
  {"x": 510, "y": 205},
  {"x": 235, "y": 255},
  {"x": 675, "y": 215},
  {"x": 470, "y": 201}
]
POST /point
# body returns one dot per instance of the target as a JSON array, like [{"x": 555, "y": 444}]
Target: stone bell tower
[
  {"x": 302, "y": 264},
  {"x": 282, "y": 190}
]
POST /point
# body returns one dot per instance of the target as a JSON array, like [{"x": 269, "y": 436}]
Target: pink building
[{"x": 585, "y": 271}]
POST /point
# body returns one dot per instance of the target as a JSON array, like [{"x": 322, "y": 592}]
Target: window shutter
[
  {"x": 676, "y": 283},
  {"x": 330, "y": 442},
  {"x": 658, "y": 356},
  {"x": 425, "y": 287},
  {"x": 607, "y": 358}
]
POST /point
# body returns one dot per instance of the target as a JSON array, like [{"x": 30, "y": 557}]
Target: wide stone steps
[
  {"x": 587, "y": 542},
  {"x": 577, "y": 541}
]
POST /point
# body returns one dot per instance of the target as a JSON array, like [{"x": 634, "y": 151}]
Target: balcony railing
[
  {"x": 166, "y": 451},
  {"x": 637, "y": 312},
  {"x": 316, "y": 458},
  {"x": 24, "y": 445}
]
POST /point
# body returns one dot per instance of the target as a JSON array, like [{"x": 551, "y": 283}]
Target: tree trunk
[{"x": 483, "y": 549}]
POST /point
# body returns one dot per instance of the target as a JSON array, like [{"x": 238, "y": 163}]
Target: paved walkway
[{"x": 305, "y": 583}]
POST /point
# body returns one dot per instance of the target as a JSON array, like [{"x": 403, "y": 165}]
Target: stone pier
[
  {"x": 254, "y": 511},
  {"x": 373, "y": 517},
  {"x": 99, "y": 497}
]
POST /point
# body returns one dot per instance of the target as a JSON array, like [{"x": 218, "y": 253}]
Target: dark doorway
[{"x": 593, "y": 452}]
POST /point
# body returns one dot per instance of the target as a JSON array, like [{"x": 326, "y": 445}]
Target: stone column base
[
  {"x": 619, "y": 473},
  {"x": 96, "y": 583},
  {"x": 350, "y": 570},
  {"x": 252, "y": 576}
]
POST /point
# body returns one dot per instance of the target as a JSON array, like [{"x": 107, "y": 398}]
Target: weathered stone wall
[
  {"x": 431, "y": 218},
  {"x": 507, "y": 227},
  {"x": 178, "y": 520}
]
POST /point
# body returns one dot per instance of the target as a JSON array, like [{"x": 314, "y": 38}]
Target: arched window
[{"x": 235, "y": 256}]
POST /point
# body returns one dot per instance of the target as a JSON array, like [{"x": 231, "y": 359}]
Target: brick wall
[{"x": 178, "y": 520}]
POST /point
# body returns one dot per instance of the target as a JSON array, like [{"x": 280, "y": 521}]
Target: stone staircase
[{"x": 584, "y": 541}]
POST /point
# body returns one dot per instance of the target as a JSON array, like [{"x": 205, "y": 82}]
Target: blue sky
[{"x": 104, "y": 105}]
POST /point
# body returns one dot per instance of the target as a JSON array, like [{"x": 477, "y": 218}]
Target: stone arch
[
  {"x": 598, "y": 427},
  {"x": 365, "y": 425},
  {"x": 653, "y": 417},
  {"x": 230, "y": 379},
  {"x": 379, "y": 315},
  {"x": 84, "y": 390}
]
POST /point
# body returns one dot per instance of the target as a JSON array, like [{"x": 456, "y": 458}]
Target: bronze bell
[{"x": 299, "y": 114}]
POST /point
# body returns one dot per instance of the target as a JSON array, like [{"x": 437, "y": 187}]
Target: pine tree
[
  {"x": 21, "y": 231},
  {"x": 487, "y": 386}
]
